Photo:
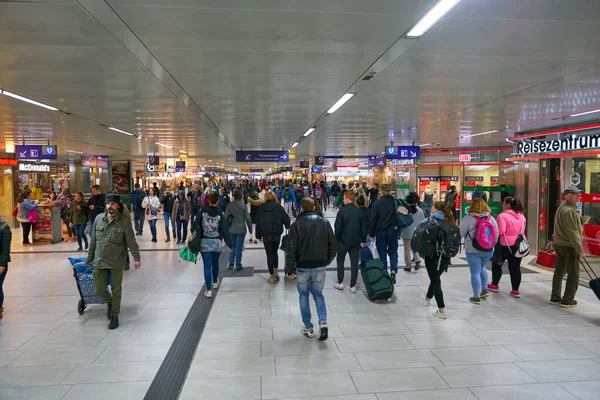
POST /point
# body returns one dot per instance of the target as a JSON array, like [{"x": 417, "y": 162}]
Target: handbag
[
  {"x": 284, "y": 243},
  {"x": 33, "y": 216},
  {"x": 521, "y": 247},
  {"x": 15, "y": 211},
  {"x": 547, "y": 256},
  {"x": 194, "y": 244}
]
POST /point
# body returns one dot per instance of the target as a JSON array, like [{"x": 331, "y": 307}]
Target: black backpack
[
  {"x": 449, "y": 244},
  {"x": 426, "y": 210},
  {"x": 286, "y": 194},
  {"x": 425, "y": 238}
]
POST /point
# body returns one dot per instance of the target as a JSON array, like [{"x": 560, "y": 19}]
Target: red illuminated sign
[
  {"x": 464, "y": 158},
  {"x": 8, "y": 161}
]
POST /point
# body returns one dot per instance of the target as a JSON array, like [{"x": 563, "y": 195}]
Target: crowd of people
[{"x": 226, "y": 211}]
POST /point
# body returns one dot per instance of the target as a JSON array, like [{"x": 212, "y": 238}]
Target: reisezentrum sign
[{"x": 573, "y": 142}]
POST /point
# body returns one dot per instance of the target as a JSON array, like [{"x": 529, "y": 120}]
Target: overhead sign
[
  {"x": 150, "y": 167},
  {"x": 8, "y": 161},
  {"x": 401, "y": 163},
  {"x": 154, "y": 160},
  {"x": 94, "y": 161},
  {"x": 572, "y": 142},
  {"x": 377, "y": 160},
  {"x": 464, "y": 158},
  {"x": 319, "y": 160},
  {"x": 31, "y": 167},
  {"x": 34, "y": 152},
  {"x": 474, "y": 178},
  {"x": 429, "y": 178},
  {"x": 303, "y": 164},
  {"x": 179, "y": 166},
  {"x": 316, "y": 170},
  {"x": 403, "y": 152},
  {"x": 262, "y": 156},
  {"x": 257, "y": 170},
  {"x": 449, "y": 178}
]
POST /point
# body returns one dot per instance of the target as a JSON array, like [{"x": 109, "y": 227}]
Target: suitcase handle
[
  {"x": 549, "y": 247},
  {"x": 588, "y": 268}
]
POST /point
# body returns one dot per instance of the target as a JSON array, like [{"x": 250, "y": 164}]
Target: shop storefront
[{"x": 7, "y": 186}]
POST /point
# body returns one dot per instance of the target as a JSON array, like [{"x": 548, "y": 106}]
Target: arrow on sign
[
  {"x": 413, "y": 154},
  {"x": 22, "y": 154},
  {"x": 283, "y": 157}
]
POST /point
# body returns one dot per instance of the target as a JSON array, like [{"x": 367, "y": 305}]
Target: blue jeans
[
  {"x": 80, "y": 233},
  {"x": 152, "y": 224},
  {"x": 2, "y": 276},
  {"x": 387, "y": 245},
  {"x": 311, "y": 280},
  {"x": 182, "y": 227},
  {"x": 210, "y": 259},
  {"x": 238, "y": 247},
  {"x": 167, "y": 223},
  {"x": 91, "y": 228},
  {"x": 479, "y": 275}
]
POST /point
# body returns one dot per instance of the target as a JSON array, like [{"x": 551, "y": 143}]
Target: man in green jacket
[
  {"x": 568, "y": 239},
  {"x": 111, "y": 237}
]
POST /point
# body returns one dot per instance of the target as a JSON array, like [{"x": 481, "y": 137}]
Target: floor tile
[
  {"x": 34, "y": 376},
  {"x": 397, "y": 359},
  {"x": 228, "y": 350},
  {"x": 237, "y": 335},
  {"x": 587, "y": 390},
  {"x": 293, "y": 332},
  {"x": 443, "y": 394},
  {"x": 549, "y": 351},
  {"x": 297, "y": 347},
  {"x": 63, "y": 341},
  {"x": 141, "y": 338},
  {"x": 168, "y": 305},
  {"x": 113, "y": 372},
  {"x": 14, "y": 342},
  {"x": 384, "y": 329},
  {"x": 593, "y": 347},
  {"x": 561, "y": 321},
  {"x": 34, "y": 393},
  {"x": 395, "y": 380},
  {"x": 344, "y": 397},
  {"x": 372, "y": 343},
  {"x": 484, "y": 375},
  {"x": 292, "y": 365},
  {"x": 336, "y": 308},
  {"x": 247, "y": 388},
  {"x": 241, "y": 312},
  {"x": 231, "y": 367},
  {"x": 475, "y": 355},
  {"x": 561, "y": 371},
  {"x": 438, "y": 325},
  {"x": 112, "y": 391},
  {"x": 121, "y": 354},
  {"x": 579, "y": 334},
  {"x": 148, "y": 325},
  {"x": 531, "y": 311},
  {"x": 444, "y": 339},
  {"x": 349, "y": 318},
  {"x": 6, "y": 356},
  {"x": 544, "y": 391},
  {"x": 237, "y": 322},
  {"x": 89, "y": 327},
  {"x": 31, "y": 318},
  {"x": 519, "y": 336},
  {"x": 414, "y": 314},
  {"x": 15, "y": 330},
  {"x": 491, "y": 324},
  {"x": 307, "y": 385},
  {"x": 84, "y": 355}
]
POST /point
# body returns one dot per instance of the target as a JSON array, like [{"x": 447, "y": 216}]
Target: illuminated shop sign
[
  {"x": 26, "y": 167},
  {"x": 572, "y": 142}
]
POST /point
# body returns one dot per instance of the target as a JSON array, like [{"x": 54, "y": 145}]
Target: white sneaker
[
  {"x": 426, "y": 301},
  {"x": 353, "y": 289},
  {"x": 339, "y": 286},
  {"x": 215, "y": 284},
  {"x": 309, "y": 333},
  {"x": 439, "y": 314},
  {"x": 208, "y": 293}
]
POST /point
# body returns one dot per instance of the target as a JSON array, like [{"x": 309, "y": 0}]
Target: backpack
[
  {"x": 204, "y": 200},
  {"x": 449, "y": 243},
  {"x": 426, "y": 210},
  {"x": 403, "y": 220},
  {"x": 425, "y": 238},
  {"x": 485, "y": 234},
  {"x": 305, "y": 192},
  {"x": 286, "y": 194},
  {"x": 318, "y": 193}
]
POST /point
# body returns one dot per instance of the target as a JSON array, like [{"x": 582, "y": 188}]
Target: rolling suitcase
[
  {"x": 377, "y": 281},
  {"x": 595, "y": 281}
]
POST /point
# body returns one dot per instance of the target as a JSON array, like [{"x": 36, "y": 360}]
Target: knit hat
[{"x": 113, "y": 198}]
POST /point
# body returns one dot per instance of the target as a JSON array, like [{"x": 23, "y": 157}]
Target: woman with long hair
[
  {"x": 269, "y": 227},
  {"x": 79, "y": 217},
  {"x": 411, "y": 207},
  {"x": 511, "y": 225},
  {"x": 436, "y": 266},
  {"x": 64, "y": 201},
  {"x": 151, "y": 204},
  {"x": 25, "y": 204}
]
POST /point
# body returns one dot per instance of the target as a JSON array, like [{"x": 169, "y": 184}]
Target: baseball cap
[{"x": 572, "y": 190}]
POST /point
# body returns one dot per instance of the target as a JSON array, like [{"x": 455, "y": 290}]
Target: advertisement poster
[
  {"x": 120, "y": 177},
  {"x": 42, "y": 231}
]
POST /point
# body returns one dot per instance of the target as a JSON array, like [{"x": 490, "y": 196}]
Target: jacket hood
[
  {"x": 439, "y": 215},
  {"x": 3, "y": 223},
  {"x": 481, "y": 214},
  {"x": 269, "y": 206}
]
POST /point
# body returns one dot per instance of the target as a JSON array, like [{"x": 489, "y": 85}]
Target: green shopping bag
[{"x": 186, "y": 255}]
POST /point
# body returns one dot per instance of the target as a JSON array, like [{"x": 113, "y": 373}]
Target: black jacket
[
  {"x": 270, "y": 220},
  {"x": 167, "y": 203},
  {"x": 217, "y": 219},
  {"x": 5, "y": 240},
  {"x": 383, "y": 216},
  {"x": 99, "y": 203},
  {"x": 351, "y": 226},
  {"x": 311, "y": 242}
]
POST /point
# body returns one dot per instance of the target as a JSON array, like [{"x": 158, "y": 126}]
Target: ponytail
[
  {"x": 448, "y": 211},
  {"x": 515, "y": 204}
]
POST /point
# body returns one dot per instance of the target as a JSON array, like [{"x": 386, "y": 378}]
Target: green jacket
[
  {"x": 568, "y": 227},
  {"x": 79, "y": 217},
  {"x": 110, "y": 240}
]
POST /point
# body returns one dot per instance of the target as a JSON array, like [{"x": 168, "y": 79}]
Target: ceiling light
[
  {"x": 163, "y": 145},
  {"x": 425, "y": 144},
  {"x": 308, "y": 132},
  {"x": 584, "y": 113},
  {"x": 479, "y": 134},
  {"x": 295, "y": 144},
  {"x": 25, "y": 99},
  {"x": 184, "y": 152},
  {"x": 340, "y": 102},
  {"x": 210, "y": 160},
  {"x": 432, "y": 16},
  {"x": 73, "y": 151},
  {"x": 120, "y": 131}
]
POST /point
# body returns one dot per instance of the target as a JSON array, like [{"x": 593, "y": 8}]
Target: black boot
[
  {"x": 109, "y": 311},
  {"x": 114, "y": 323},
  {"x": 417, "y": 265}
]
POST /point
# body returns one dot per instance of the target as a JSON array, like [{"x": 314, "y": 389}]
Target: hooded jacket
[
  {"x": 311, "y": 242},
  {"x": 510, "y": 225},
  {"x": 79, "y": 216},
  {"x": 467, "y": 230},
  {"x": 271, "y": 219},
  {"x": 212, "y": 224},
  {"x": 187, "y": 209},
  {"x": 5, "y": 240},
  {"x": 255, "y": 203}
]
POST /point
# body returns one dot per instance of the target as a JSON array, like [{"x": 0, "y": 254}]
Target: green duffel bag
[{"x": 377, "y": 280}]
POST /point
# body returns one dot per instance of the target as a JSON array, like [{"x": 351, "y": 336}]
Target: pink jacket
[{"x": 510, "y": 225}]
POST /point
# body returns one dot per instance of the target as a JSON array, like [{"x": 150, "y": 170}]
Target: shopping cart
[{"x": 85, "y": 283}]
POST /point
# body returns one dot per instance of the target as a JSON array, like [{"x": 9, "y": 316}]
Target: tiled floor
[{"x": 252, "y": 349}]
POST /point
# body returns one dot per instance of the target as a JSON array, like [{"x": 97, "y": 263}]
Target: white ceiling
[{"x": 261, "y": 72}]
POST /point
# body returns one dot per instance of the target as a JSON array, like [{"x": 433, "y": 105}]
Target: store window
[
  {"x": 490, "y": 182},
  {"x": 6, "y": 191},
  {"x": 585, "y": 174}
]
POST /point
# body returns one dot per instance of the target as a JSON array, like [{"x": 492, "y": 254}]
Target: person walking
[
  {"x": 181, "y": 212},
  {"x": 211, "y": 227},
  {"x": 451, "y": 197},
  {"x": 112, "y": 237},
  {"x": 255, "y": 203},
  {"x": 269, "y": 227},
  {"x": 224, "y": 199},
  {"x": 351, "y": 227},
  {"x": 26, "y": 204},
  {"x": 5, "y": 241},
  {"x": 239, "y": 217},
  {"x": 383, "y": 229},
  {"x": 151, "y": 204},
  {"x": 79, "y": 217},
  {"x": 167, "y": 201},
  {"x": 64, "y": 201},
  {"x": 96, "y": 206},
  {"x": 568, "y": 239},
  {"x": 289, "y": 198},
  {"x": 412, "y": 208},
  {"x": 319, "y": 195},
  {"x": 311, "y": 248},
  {"x": 137, "y": 197},
  {"x": 511, "y": 225},
  {"x": 195, "y": 197},
  {"x": 299, "y": 195},
  {"x": 436, "y": 265},
  {"x": 480, "y": 231}
]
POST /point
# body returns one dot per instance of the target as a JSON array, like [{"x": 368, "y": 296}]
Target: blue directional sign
[
  {"x": 36, "y": 152},
  {"x": 377, "y": 161},
  {"x": 267, "y": 156},
  {"x": 303, "y": 164},
  {"x": 402, "y": 152},
  {"x": 316, "y": 170},
  {"x": 179, "y": 166}
]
